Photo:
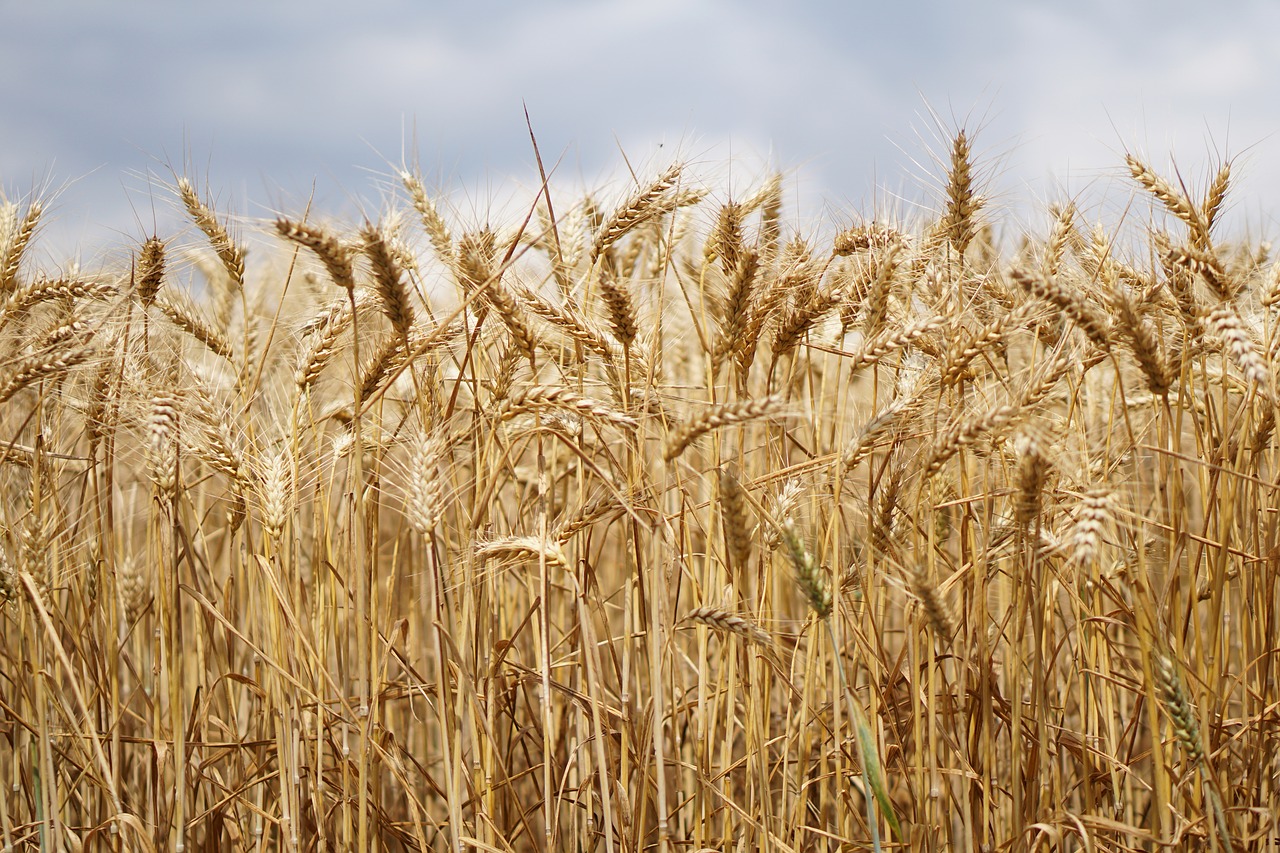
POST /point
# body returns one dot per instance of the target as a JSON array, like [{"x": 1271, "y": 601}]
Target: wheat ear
[{"x": 717, "y": 417}]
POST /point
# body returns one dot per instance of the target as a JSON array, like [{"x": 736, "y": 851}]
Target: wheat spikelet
[
  {"x": 9, "y": 583},
  {"x": 884, "y": 508},
  {"x": 965, "y": 433},
  {"x": 133, "y": 581},
  {"x": 230, "y": 254},
  {"x": 734, "y": 520},
  {"x": 1144, "y": 343},
  {"x": 71, "y": 331},
  {"x": 955, "y": 366},
  {"x": 150, "y": 270},
  {"x": 336, "y": 255},
  {"x": 726, "y": 241},
  {"x": 622, "y": 310},
  {"x": 646, "y": 237},
  {"x": 1271, "y": 292},
  {"x": 15, "y": 246},
  {"x": 1063, "y": 229},
  {"x": 730, "y": 623},
  {"x": 1180, "y": 280},
  {"x": 556, "y": 396},
  {"x": 425, "y": 486},
  {"x": 767, "y": 302},
  {"x": 723, "y": 415},
  {"x": 218, "y": 447},
  {"x": 1033, "y": 473},
  {"x": 780, "y": 504},
  {"x": 47, "y": 290},
  {"x": 322, "y": 333},
  {"x": 996, "y": 421},
  {"x": 568, "y": 319},
  {"x": 98, "y": 413},
  {"x": 514, "y": 317},
  {"x": 1175, "y": 202},
  {"x": 890, "y": 342},
  {"x": 739, "y": 303},
  {"x": 963, "y": 204},
  {"x": 646, "y": 204},
  {"x": 184, "y": 317},
  {"x": 476, "y": 268},
  {"x": 162, "y": 441},
  {"x": 1262, "y": 433},
  {"x": 607, "y": 505},
  {"x": 1087, "y": 317},
  {"x": 44, "y": 365},
  {"x": 1205, "y": 264},
  {"x": 34, "y": 557},
  {"x": 388, "y": 278},
  {"x": 1225, "y": 323},
  {"x": 863, "y": 238},
  {"x": 432, "y": 222},
  {"x": 391, "y": 353},
  {"x": 1178, "y": 705},
  {"x": 768, "y": 200},
  {"x": 876, "y": 308},
  {"x": 521, "y": 548},
  {"x": 1213, "y": 199},
  {"x": 275, "y": 492},
  {"x": 937, "y": 611},
  {"x": 811, "y": 579},
  {"x": 800, "y": 318},
  {"x": 1091, "y": 517},
  {"x": 890, "y": 420}
]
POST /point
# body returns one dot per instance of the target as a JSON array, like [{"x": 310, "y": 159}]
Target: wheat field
[{"x": 645, "y": 521}]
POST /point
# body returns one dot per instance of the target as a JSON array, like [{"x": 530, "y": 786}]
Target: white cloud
[{"x": 263, "y": 98}]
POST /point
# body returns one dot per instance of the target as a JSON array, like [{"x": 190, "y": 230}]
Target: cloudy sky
[{"x": 270, "y": 103}]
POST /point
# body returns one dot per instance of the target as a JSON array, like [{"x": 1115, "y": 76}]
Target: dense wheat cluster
[{"x": 644, "y": 522}]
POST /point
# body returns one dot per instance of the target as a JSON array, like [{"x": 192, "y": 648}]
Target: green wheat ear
[
  {"x": 818, "y": 591},
  {"x": 873, "y": 769}
]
